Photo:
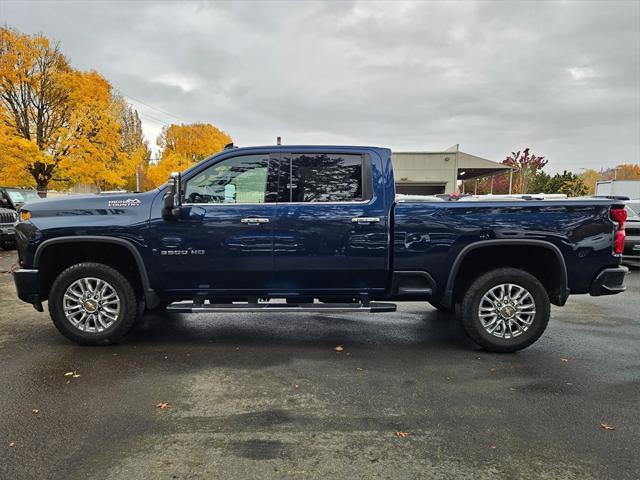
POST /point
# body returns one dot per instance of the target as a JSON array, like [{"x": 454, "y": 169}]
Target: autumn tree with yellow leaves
[
  {"x": 184, "y": 145},
  {"x": 58, "y": 124}
]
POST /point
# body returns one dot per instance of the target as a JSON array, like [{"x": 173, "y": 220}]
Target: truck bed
[{"x": 430, "y": 235}]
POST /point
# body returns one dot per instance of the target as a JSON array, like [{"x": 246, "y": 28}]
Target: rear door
[{"x": 330, "y": 228}]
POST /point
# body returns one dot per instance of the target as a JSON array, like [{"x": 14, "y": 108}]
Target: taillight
[{"x": 618, "y": 215}]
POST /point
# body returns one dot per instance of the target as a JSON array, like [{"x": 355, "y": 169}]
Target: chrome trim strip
[{"x": 359, "y": 202}]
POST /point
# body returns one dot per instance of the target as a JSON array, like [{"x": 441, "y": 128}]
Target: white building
[{"x": 430, "y": 173}]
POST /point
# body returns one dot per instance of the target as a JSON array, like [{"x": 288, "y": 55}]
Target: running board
[{"x": 191, "y": 307}]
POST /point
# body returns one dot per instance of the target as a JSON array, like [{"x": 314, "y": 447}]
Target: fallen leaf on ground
[
  {"x": 163, "y": 405},
  {"x": 606, "y": 426},
  {"x": 359, "y": 369},
  {"x": 68, "y": 374},
  {"x": 35, "y": 410},
  {"x": 564, "y": 360},
  {"x": 493, "y": 445},
  {"x": 75, "y": 376},
  {"x": 492, "y": 369},
  {"x": 12, "y": 444},
  {"x": 338, "y": 348},
  {"x": 402, "y": 434},
  {"x": 297, "y": 386}
]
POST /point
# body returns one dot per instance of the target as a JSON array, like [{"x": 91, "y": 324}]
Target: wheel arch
[
  {"x": 149, "y": 294},
  {"x": 558, "y": 297}
]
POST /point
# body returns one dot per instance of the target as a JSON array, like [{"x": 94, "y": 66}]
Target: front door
[
  {"x": 222, "y": 244},
  {"x": 331, "y": 232}
]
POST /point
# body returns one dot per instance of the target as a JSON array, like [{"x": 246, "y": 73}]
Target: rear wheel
[
  {"x": 505, "y": 310},
  {"x": 93, "y": 304}
]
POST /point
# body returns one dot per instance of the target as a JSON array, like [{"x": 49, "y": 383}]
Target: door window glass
[
  {"x": 325, "y": 178},
  {"x": 235, "y": 180}
]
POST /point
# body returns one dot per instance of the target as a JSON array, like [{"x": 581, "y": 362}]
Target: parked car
[
  {"x": 14, "y": 197},
  {"x": 312, "y": 229},
  {"x": 8, "y": 221},
  {"x": 631, "y": 254}
]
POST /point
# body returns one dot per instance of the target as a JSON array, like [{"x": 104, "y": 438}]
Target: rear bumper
[
  {"x": 28, "y": 287},
  {"x": 609, "y": 281}
]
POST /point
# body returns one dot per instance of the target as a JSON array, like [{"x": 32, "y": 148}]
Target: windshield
[
  {"x": 21, "y": 196},
  {"x": 634, "y": 207}
]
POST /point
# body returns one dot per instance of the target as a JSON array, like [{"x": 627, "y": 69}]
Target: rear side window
[{"x": 320, "y": 177}]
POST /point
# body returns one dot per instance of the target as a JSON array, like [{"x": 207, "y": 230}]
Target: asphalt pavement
[{"x": 269, "y": 396}]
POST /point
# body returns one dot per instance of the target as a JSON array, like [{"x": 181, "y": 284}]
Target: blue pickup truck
[{"x": 312, "y": 228}]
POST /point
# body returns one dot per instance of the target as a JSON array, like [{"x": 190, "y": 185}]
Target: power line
[
  {"x": 151, "y": 106},
  {"x": 146, "y": 116}
]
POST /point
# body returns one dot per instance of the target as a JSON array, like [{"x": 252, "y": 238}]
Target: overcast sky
[{"x": 560, "y": 77}]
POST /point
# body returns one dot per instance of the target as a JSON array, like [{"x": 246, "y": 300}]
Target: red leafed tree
[{"x": 525, "y": 167}]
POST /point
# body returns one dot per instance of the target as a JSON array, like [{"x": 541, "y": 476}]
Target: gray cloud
[{"x": 561, "y": 77}]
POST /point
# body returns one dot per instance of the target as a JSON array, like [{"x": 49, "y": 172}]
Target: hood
[{"x": 95, "y": 203}]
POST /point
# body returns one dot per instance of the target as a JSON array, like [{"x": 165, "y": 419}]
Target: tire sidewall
[
  {"x": 119, "y": 283},
  {"x": 485, "y": 283}
]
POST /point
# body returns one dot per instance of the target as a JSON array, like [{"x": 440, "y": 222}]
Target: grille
[{"x": 8, "y": 217}]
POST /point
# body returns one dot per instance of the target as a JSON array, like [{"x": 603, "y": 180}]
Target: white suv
[{"x": 631, "y": 254}]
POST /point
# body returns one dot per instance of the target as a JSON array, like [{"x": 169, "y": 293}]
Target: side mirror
[{"x": 171, "y": 199}]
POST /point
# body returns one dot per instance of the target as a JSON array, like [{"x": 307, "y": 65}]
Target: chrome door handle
[
  {"x": 365, "y": 219},
  {"x": 255, "y": 221}
]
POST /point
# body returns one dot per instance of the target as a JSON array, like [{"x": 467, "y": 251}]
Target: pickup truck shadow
[{"x": 424, "y": 328}]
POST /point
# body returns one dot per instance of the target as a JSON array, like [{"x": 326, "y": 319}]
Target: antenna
[{"x": 278, "y": 140}]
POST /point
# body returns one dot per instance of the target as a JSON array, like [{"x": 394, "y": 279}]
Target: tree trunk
[{"x": 42, "y": 188}]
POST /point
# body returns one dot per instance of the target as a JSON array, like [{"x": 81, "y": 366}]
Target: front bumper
[
  {"x": 28, "y": 287},
  {"x": 7, "y": 233},
  {"x": 609, "y": 281},
  {"x": 631, "y": 254}
]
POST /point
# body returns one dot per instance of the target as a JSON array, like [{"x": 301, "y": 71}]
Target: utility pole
[{"x": 510, "y": 180}]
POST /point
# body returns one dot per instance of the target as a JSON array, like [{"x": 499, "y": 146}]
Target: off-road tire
[
  {"x": 129, "y": 311},
  {"x": 470, "y": 320}
]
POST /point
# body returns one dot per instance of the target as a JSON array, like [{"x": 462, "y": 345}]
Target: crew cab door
[
  {"x": 331, "y": 232},
  {"x": 222, "y": 244}
]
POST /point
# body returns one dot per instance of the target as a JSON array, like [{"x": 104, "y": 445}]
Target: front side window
[
  {"x": 325, "y": 178},
  {"x": 234, "y": 180},
  {"x": 22, "y": 196}
]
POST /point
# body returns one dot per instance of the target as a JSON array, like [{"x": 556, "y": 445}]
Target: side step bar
[{"x": 192, "y": 307}]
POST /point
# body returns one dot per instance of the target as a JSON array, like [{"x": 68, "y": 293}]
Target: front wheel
[
  {"x": 505, "y": 310},
  {"x": 93, "y": 304}
]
